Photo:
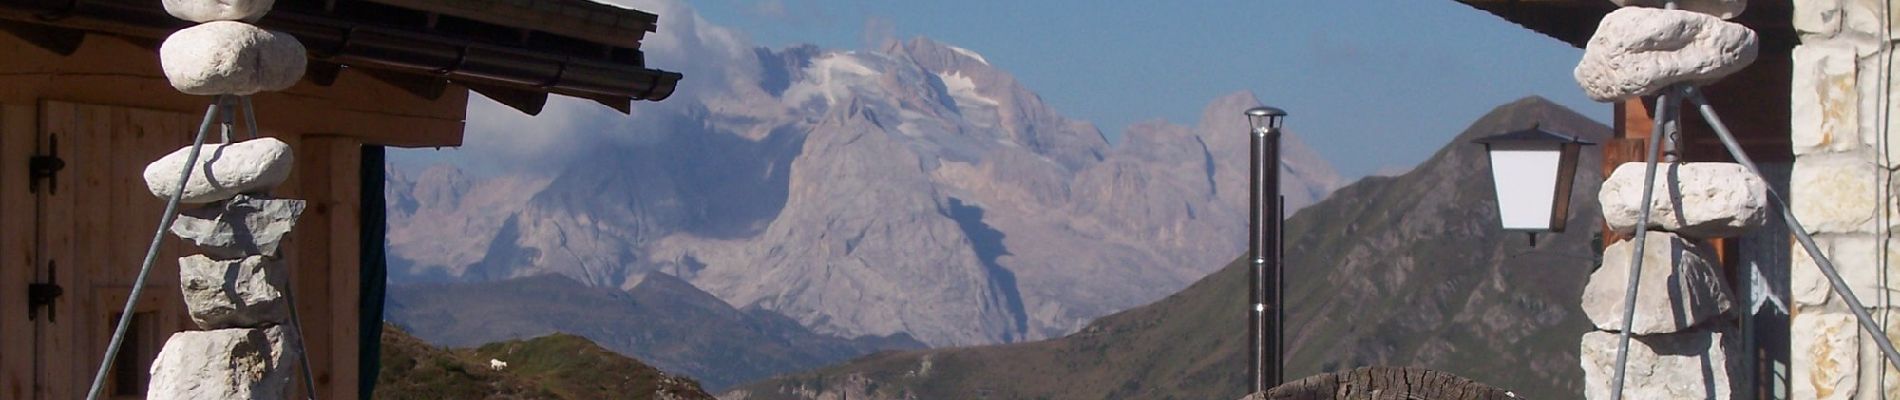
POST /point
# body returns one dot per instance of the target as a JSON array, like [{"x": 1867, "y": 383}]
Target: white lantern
[{"x": 1532, "y": 170}]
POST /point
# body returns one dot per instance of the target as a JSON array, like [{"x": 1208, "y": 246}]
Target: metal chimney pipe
[{"x": 1265, "y": 274}]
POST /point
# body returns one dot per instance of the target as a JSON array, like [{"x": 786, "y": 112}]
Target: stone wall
[{"x": 1842, "y": 190}]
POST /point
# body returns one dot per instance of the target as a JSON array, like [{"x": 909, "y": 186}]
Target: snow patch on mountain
[
  {"x": 832, "y": 78},
  {"x": 964, "y": 90},
  {"x": 971, "y": 54}
]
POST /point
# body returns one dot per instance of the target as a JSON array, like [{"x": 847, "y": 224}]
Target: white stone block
[
  {"x": 242, "y": 226},
  {"x": 1724, "y": 9},
  {"x": 1825, "y": 101},
  {"x": 1858, "y": 259},
  {"x": 224, "y": 364},
  {"x": 1698, "y": 200},
  {"x": 1687, "y": 365},
  {"x": 218, "y": 10},
  {"x": 224, "y": 170},
  {"x": 1818, "y": 19},
  {"x": 1638, "y": 51},
  {"x": 1679, "y": 289},
  {"x": 241, "y": 293},
  {"x": 1837, "y": 193},
  {"x": 1825, "y": 359},
  {"x": 226, "y": 57}
]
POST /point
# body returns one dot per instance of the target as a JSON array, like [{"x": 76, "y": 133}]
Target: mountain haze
[
  {"x": 1410, "y": 270},
  {"x": 914, "y": 189}
]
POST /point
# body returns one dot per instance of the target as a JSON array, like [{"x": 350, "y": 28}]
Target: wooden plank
[
  {"x": 59, "y": 370},
  {"x": 345, "y": 269},
  {"x": 355, "y": 105},
  {"x": 311, "y": 262},
  {"x": 17, "y": 253},
  {"x": 173, "y": 130},
  {"x": 86, "y": 142}
]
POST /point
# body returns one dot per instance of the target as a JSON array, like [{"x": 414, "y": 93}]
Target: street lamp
[
  {"x": 1532, "y": 170},
  {"x": 1266, "y": 209}
]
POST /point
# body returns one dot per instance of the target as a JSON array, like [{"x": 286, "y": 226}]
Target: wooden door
[{"x": 95, "y": 219}]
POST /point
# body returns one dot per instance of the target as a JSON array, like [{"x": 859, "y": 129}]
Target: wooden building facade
[{"x": 84, "y": 106}]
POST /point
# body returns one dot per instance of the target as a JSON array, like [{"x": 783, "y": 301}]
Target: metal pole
[
  {"x": 1801, "y": 235},
  {"x": 1276, "y": 261},
  {"x": 1257, "y": 264},
  {"x": 1663, "y": 115}
]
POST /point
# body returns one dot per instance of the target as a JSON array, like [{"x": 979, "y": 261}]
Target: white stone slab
[
  {"x": 223, "y": 364},
  {"x": 1825, "y": 356},
  {"x": 241, "y": 293},
  {"x": 1724, "y": 9},
  {"x": 1825, "y": 102},
  {"x": 1680, "y": 287},
  {"x": 1688, "y": 365},
  {"x": 1698, "y": 200},
  {"x": 1638, "y": 51},
  {"x": 225, "y": 57},
  {"x": 1837, "y": 193},
  {"x": 239, "y": 227},
  {"x": 218, "y": 10},
  {"x": 1858, "y": 259},
  {"x": 224, "y": 170}
]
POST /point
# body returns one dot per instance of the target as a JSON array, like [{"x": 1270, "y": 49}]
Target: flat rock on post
[
  {"x": 242, "y": 226},
  {"x": 223, "y": 364},
  {"x": 1724, "y": 9},
  {"x": 1680, "y": 287},
  {"x": 224, "y": 170},
  {"x": 218, "y": 10},
  {"x": 1638, "y": 51},
  {"x": 242, "y": 293},
  {"x": 1698, "y": 200},
  {"x": 226, "y": 57}
]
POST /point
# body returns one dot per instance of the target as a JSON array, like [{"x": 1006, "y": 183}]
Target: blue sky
[{"x": 1371, "y": 84}]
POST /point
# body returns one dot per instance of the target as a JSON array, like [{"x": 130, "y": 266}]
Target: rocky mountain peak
[
  {"x": 1409, "y": 270},
  {"x": 915, "y": 189}
]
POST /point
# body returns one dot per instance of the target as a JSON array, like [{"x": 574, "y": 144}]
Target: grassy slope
[
  {"x": 1406, "y": 271},
  {"x": 663, "y": 321},
  {"x": 554, "y": 367}
]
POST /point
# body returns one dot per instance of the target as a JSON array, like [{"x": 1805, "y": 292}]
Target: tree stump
[{"x": 1384, "y": 383}]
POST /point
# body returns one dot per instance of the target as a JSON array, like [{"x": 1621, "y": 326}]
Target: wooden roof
[
  {"x": 1573, "y": 21},
  {"x": 580, "y": 19},
  {"x": 514, "y": 51}
]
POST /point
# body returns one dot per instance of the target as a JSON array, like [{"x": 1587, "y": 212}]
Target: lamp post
[
  {"x": 1532, "y": 170},
  {"x": 1264, "y": 273}
]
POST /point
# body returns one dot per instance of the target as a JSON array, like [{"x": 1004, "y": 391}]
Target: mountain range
[
  {"x": 1410, "y": 270},
  {"x": 909, "y": 191}
]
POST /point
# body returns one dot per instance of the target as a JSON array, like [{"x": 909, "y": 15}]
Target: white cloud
[{"x": 715, "y": 60}]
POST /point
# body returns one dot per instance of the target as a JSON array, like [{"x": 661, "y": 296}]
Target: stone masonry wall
[{"x": 1841, "y": 189}]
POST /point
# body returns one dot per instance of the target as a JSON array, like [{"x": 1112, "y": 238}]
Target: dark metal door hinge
[
  {"x": 46, "y": 167},
  {"x": 42, "y": 295}
]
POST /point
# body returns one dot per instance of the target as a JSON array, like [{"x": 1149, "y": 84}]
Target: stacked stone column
[
  {"x": 237, "y": 289},
  {"x": 1845, "y": 153},
  {"x": 1682, "y": 332}
]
